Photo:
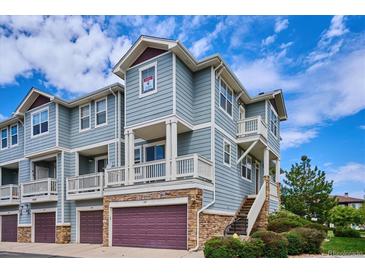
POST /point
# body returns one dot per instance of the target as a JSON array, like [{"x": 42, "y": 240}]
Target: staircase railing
[
  {"x": 256, "y": 208},
  {"x": 233, "y": 224},
  {"x": 234, "y": 218}
]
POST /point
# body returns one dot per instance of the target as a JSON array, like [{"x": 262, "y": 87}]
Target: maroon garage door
[
  {"x": 91, "y": 227},
  {"x": 154, "y": 226},
  {"x": 9, "y": 228},
  {"x": 45, "y": 227}
]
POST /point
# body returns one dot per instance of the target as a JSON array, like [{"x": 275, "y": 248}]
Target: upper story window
[
  {"x": 246, "y": 168},
  {"x": 274, "y": 122},
  {"x": 148, "y": 80},
  {"x": 155, "y": 152},
  {"x": 101, "y": 112},
  {"x": 137, "y": 155},
  {"x": 40, "y": 122},
  {"x": 227, "y": 152},
  {"x": 14, "y": 135},
  {"x": 4, "y": 138},
  {"x": 225, "y": 98},
  {"x": 85, "y": 117}
]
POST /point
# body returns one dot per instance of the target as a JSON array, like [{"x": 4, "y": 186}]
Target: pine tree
[{"x": 306, "y": 192}]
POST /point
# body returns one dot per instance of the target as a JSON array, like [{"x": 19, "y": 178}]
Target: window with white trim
[
  {"x": 14, "y": 135},
  {"x": 227, "y": 152},
  {"x": 148, "y": 77},
  {"x": 4, "y": 138},
  {"x": 137, "y": 155},
  {"x": 155, "y": 152},
  {"x": 274, "y": 123},
  {"x": 100, "y": 112},
  {"x": 225, "y": 98},
  {"x": 246, "y": 168},
  {"x": 40, "y": 122},
  {"x": 85, "y": 117}
]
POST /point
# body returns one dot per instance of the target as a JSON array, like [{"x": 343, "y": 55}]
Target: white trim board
[{"x": 151, "y": 202}]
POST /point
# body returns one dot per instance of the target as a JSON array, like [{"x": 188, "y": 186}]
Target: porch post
[
  {"x": 173, "y": 148},
  {"x": 168, "y": 150},
  {"x": 126, "y": 156},
  {"x": 131, "y": 156},
  {"x": 266, "y": 162}
]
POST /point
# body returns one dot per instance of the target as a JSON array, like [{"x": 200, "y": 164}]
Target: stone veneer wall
[
  {"x": 63, "y": 234},
  {"x": 24, "y": 234},
  {"x": 212, "y": 225},
  {"x": 194, "y": 204},
  {"x": 263, "y": 218}
]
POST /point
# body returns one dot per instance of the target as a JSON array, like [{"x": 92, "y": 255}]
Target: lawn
[{"x": 344, "y": 246}]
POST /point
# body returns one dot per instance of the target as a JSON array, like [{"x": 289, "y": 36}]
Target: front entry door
[{"x": 101, "y": 164}]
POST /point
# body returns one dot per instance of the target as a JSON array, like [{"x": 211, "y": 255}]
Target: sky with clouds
[{"x": 318, "y": 61}]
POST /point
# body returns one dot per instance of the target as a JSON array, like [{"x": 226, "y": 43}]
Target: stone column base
[
  {"x": 63, "y": 234},
  {"x": 263, "y": 218},
  {"x": 212, "y": 225},
  {"x": 24, "y": 234}
]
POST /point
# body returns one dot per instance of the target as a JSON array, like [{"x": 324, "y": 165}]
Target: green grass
[{"x": 344, "y": 246}]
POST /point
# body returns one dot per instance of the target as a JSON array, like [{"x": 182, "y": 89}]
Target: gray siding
[
  {"x": 273, "y": 141},
  {"x": 153, "y": 106},
  {"x": 197, "y": 141},
  {"x": 42, "y": 142},
  {"x": 111, "y": 155},
  {"x": 273, "y": 206},
  {"x": 256, "y": 109},
  {"x": 202, "y": 96},
  {"x": 64, "y": 133},
  {"x": 184, "y": 91},
  {"x": 15, "y": 152},
  {"x": 207, "y": 197}
]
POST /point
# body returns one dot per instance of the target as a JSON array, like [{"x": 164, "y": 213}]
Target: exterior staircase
[{"x": 240, "y": 221}]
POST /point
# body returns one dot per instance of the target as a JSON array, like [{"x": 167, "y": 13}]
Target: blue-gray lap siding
[
  {"x": 153, "y": 106},
  {"x": 24, "y": 176},
  {"x": 184, "y": 91},
  {"x": 197, "y": 141},
  {"x": 15, "y": 152},
  {"x": 273, "y": 141},
  {"x": 202, "y": 97},
  {"x": 273, "y": 205},
  {"x": 256, "y": 109},
  {"x": 41, "y": 142},
  {"x": 95, "y": 134},
  {"x": 208, "y": 196}
]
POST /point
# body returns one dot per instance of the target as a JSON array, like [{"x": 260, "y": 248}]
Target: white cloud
[
  {"x": 73, "y": 53},
  {"x": 294, "y": 137},
  {"x": 362, "y": 127},
  {"x": 2, "y": 117},
  {"x": 268, "y": 40},
  {"x": 337, "y": 28},
  {"x": 349, "y": 173},
  {"x": 281, "y": 24}
]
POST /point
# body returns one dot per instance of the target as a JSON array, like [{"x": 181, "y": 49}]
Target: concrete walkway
[{"x": 93, "y": 251}]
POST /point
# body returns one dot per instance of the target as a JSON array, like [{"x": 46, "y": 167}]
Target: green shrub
[
  {"x": 222, "y": 247},
  {"x": 296, "y": 242},
  {"x": 317, "y": 226},
  {"x": 253, "y": 248},
  {"x": 284, "y": 214},
  {"x": 312, "y": 239},
  {"x": 347, "y": 232},
  {"x": 283, "y": 224},
  {"x": 275, "y": 245}
]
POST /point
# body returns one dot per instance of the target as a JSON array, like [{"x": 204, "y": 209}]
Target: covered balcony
[
  {"x": 251, "y": 128},
  {"x": 90, "y": 166},
  {"x": 9, "y": 191},
  {"x": 43, "y": 184}
]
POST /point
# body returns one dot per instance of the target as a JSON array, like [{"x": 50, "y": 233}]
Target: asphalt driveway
[{"x": 38, "y": 250}]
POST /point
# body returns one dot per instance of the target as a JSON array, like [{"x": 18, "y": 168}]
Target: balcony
[
  {"x": 186, "y": 167},
  {"x": 251, "y": 127},
  {"x": 42, "y": 190},
  {"x": 9, "y": 195},
  {"x": 88, "y": 186}
]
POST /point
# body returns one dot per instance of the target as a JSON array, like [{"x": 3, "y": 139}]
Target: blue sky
[{"x": 318, "y": 61}]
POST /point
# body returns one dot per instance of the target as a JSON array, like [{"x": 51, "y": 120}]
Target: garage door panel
[
  {"x": 157, "y": 227},
  {"x": 91, "y": 227},
  {"x": 45, "y": 227},
  {"x": 9, "y": 227}
]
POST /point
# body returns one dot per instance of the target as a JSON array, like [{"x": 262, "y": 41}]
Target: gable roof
[
  {"x": 185, "y": 56},
  {"x": 346, "y": 199}
]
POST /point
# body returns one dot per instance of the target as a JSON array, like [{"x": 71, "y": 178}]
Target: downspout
[
  {"x": 116, "y": 126},
  {"x": 212, "y": 145}
]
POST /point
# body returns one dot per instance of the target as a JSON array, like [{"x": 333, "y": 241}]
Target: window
[
  {"x": 246, "y": 168},
  {"x": 274, "y": 123},
  {"x": 101, "y": 107},
  {"x": 40, "y": 122},
  {"x": 137, "y": 155},
  {"x": 156, "y": 152},
  {"x": 4, "y": 138},
  {"x": 85, "y": 117},
  {"x": 148, "y": 80},
  {"x": 226, "y": 153},
  {"x": 14, "y": 135},
  {"x": 225, "y": 98}
]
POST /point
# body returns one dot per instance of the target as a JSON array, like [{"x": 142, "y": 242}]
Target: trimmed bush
[
  {"x": 284, "y": 214},
  {"x": 296, "y": 242},
  {"x": 275, "y": 245},
  {"x": 283, "y": 225},
  {"x": 317, "y": 226},
  {"x": 229, "y": 247},
  {"x": 312, "y": 239},
  {"x": 346, "y": 232}
]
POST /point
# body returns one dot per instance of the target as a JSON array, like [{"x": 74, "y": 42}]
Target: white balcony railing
[
  {"x": 252, "y": 126},
  {"x": 9, "y": 195},
  {"x": 256, "y": 208},
  {"x": 193, "y": 166},
  {"x": 85, "y": 186},
  {"x": 42, "y": 190},
  {"x": 115, "y": 176},
  {"x": 150, "y": 171}
]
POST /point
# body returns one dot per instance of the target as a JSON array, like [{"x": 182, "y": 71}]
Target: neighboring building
[
  {"x": 346, "y": 200},
  {"x": 182, "y": 150}
]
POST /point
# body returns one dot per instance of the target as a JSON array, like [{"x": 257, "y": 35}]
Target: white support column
[
  {"x": 266, "y": 162},
  {"x": 126, "y": 156},
  {"x": 168, "y": 150},
  {"x": 277, "y": 170},
  {"x": 77, "y": 164},
  {"x": 131, "y": 157},
  {"x": 1, "y": 176},
  {"x": 173, "y": 148}
]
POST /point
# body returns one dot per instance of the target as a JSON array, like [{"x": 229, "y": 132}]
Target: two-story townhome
[{"x": 178, "y": 154}]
